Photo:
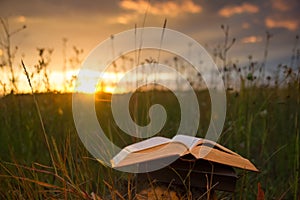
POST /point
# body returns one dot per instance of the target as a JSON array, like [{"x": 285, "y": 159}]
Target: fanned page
[
  {"x": 143, "y": 145},
  {"x": 164, "y": 152},
  {"x": 219, "y": 156},
  {"x": 215, "y": 145},
  {"x": 188, "y": 141}
]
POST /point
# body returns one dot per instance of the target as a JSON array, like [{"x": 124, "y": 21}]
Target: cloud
[
  {"x": 245, "y": 25},
  {"x": 281, "y": 5},
  {"x": 123, "y": 19},
  {"x": 21, "y": 19},
  {"x": 281, "y": 23},
  {"x": 50, "y": 8},
  {"x": 165, "y": 8},
  {"x": 229, "y": 11},
  {"x": 251, "y": 39}
]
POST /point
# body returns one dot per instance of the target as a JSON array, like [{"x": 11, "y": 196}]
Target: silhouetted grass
[{"x": 260, "y": 125}]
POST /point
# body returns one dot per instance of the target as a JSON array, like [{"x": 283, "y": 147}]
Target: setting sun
[
  {"x": 90, "y": 81},
  {"x": 109, "y": 89}
]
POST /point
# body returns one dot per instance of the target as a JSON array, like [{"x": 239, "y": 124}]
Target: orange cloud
[
  {"x": 123, "y": 19},
  {"x": 167, "y": 8},
  {"x": 281, "y": 5},
  {"x": 20, "y": 19},
  {"x": 252, "y": 39},
  {"x": 228, "y": 11},
  {"x": 281, "y": 23},
  {"x": 245, "y": 25}
]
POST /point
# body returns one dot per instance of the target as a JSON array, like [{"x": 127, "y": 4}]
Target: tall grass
[{"x": 26, "y": 168}]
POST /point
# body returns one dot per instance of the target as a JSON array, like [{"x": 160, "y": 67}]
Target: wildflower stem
[{"x": 39, "y": 115}]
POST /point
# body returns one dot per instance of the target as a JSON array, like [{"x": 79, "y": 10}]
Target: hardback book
[
  {"x": 161, "y": 148},
  {"x": 195, "y": 173}
]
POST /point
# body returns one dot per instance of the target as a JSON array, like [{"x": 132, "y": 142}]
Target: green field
[{"x": 262, "y": 124}]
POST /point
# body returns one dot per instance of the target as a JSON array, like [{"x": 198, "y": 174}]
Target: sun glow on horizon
[
  {"x": 90, "y": 81},
  {"x": 109, "y": 89}
]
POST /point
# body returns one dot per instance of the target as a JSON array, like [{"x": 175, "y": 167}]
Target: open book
[{"x": 160, "y": 148}]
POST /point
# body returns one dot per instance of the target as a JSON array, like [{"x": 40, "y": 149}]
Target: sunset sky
[{"x": 86, "y": 23}]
